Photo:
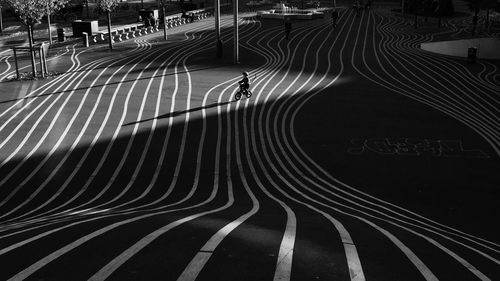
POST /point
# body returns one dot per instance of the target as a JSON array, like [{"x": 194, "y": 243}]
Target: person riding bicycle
[
  {"x": 244, "y": 87},
  {"x": 244, "y": 83}
]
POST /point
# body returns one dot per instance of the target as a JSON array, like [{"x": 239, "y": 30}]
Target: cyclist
[{"x": 244, "y": 83}]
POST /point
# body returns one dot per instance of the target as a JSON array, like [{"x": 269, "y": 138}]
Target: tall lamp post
[
  {"x": 1, "y": 20},
  {"x": 164, "y": 21},
  {"x": 236, "y": 41},
  {"x": 218, "y": 42}
]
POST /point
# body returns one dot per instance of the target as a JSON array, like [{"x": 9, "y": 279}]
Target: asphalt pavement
[{"x": 358, "y": 156}]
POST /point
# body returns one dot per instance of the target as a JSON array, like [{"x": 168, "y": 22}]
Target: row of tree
[
  {"x": 439, "y": 8},
  {"x": 31, "y": 12},
  {"x": 476, "y": 6}
]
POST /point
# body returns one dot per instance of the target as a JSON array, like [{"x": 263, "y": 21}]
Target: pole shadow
[{"x": 177, "y": 113}]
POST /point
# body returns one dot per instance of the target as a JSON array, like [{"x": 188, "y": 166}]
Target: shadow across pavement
[{"x": 177, "y": 113}]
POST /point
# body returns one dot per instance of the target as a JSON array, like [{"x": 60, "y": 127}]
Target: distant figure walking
[
  {"x": 189, "y": 18},
  {"x": 335, "y": 17},
  {"x": 357, "y": 8},
  {"x": 147, "y": 22},
  {"x": 288, "y": 27},
  {"x": 368, "y": 4}
]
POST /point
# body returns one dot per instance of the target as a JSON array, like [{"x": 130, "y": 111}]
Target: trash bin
[
  {"x": 60, "y": 35},
  {"x": 471, "y": 54},
  {"x": 79, "y": 26}
]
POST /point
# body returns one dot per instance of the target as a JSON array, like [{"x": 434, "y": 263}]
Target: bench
[{"x": 120, "y": 34}]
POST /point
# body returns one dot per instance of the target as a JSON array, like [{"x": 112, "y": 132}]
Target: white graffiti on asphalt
[{"x": 414, "y": 147}]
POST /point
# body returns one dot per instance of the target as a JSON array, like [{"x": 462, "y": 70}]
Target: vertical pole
[
  {"x": 217, "y": 28},
  {"x": 109, "y": 31},
  {"x": 15, "y": 60},
  {"x": 41, "y": 62},
  {"x": 44, "y": 55},
  {"x": 1, "y": 20},
  {"x": 236, "y": 39},
  {"x": 164, "y": 21}
]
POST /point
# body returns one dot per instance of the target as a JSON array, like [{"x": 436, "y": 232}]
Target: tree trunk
[
  {"x": 164, "y": 21},
  {"x": 437, "y": 11},
  {"x": 474, "y": 20},
  {"x": 1, "y": 21},
  {"x": 487, "y": 23},
  {"x": 32, "y": 54},
  {"x": 109, "y": 31},
  {"x": 50, "y": 33},
  {"x": 87, "y": 7},
  {"x": 426, "y": 10}
]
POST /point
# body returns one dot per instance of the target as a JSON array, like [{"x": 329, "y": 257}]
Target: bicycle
[{"x": 241, "y": 92}]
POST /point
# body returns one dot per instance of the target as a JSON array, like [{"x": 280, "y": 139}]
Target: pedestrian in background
[
  {"x": 368, "y": 5},
  {"x": 357, "y": 8},
  {"x": 335, "y": 17},
  {"x": 288, "y": 27}
]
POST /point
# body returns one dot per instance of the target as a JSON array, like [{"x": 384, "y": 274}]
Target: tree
[
  {"x": 52, "y": 7},
  {"x": 164, "y": 21},
  {"x": 29, "y": 12},
  {"x": 476, "y": 5},
  {"x": 415, "y": 6},
  {"x": 108, "y": 6},
  {"x": 87, "y": 7}
]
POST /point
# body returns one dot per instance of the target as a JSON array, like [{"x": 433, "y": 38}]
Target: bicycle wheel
[
  {"x": 237, "y": 96},
  {"x": 248, "y": 94}
]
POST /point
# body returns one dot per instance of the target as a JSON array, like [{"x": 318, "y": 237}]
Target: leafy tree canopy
[
  {"x": 55, "y": 5},
  {"x": 30, "y": 12},
  {"x": 107, "y": 5}
]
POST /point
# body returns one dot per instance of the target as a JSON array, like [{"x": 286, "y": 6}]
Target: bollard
[
  {"x": 472, "y": 54},
  {"x": 85, "y": 38},
  {"x": 219, "y": 48},
  {"x": 17, "y": 66},
  {"x": 44, "y": 48},
  {"x": 42, "y": 72}
]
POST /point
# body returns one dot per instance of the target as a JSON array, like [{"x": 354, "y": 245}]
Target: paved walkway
[{"x": 358, "y": 157}]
